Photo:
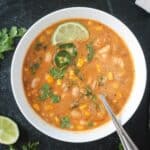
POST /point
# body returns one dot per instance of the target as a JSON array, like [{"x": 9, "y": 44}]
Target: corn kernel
[
  {"x": 71, "y": 126},
  {"x": 89, "y": 22},
  {"x": 71, "y": 72},
  {"x": 115, "y": 85},
  {"x": 42, "y": 39},
  {"x": 59, "y": 82},
  {"x": 56, "y": 119},
  {"x": 80, "y": 62},
  {"x": 49, "y": 78},
  {"x": 98, "y": 28},
  {"x": 72, "y": 76},
  {"x": 48, "y": 107},
  {"x": 79, "y": 127},
  {"x": 85, "y": 60},
  {"x": 81, "y": 107},
  {"x": 36, "y": 107},
  {"x": 95, "y": 123},
  {"x": 51, "y": 114},
  {"x": 110, "y": 76},
  {"x": 87, "y": 113},
  {"x": 98, "y": 68}
]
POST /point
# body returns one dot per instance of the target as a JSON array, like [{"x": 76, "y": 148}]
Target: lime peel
[
  {"x": 69, "y": 32},
  {"x": 9, "y": 132}
]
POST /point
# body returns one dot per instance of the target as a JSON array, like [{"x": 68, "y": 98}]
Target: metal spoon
[{"x": 124, "y": 137}]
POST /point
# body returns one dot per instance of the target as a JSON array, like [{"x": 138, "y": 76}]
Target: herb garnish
[
  {"x": 89, "y": 92},
  {"x": 27, "y": 146},
  {"x": 57, "y": 73},
  {"x": 101, "y": 80},
  {"x": 46, "y": 92},
  {"x": 65, "y": 122},
  {"x": 120, "y": 147},
  {"x": 34, "y": 67},
  {"x": 30, "y": 146},
  {"x": 90, "y": 124},
  {"x": 90, "y": 52},
  {"x": 54, "y": 98},
  {"x": 78, "y": 73},
  {"x": 40, "y": 46},
  {"x": 7, "y": 38}
]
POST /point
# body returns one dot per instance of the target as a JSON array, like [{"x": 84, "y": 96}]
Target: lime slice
[
  {"x": 69, "y": 32},
  {"x": 9, "y": 131}
]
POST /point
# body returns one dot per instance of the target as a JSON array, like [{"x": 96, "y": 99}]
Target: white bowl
[{"x": 136, "y": 93}]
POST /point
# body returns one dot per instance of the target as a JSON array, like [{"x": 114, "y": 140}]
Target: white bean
[
  {"x": 35, "y": 82},
  {"x": 94, "y": 84},
  {"x": 75, "y": 114},
  {"x": 75, "y": 91},
  {"x": 64, "y": 87},
  {"x": 89, "y": 81},
  {"x": 104, "y": 49},
  {"x": 83, "y": 122},
  {"x": 118, "y": 61},
  {"x": 48, "y": 57}
]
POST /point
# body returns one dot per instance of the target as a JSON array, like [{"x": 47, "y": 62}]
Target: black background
[{"x": 25, "y": 13}]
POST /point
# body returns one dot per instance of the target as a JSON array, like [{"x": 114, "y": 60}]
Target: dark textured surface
[{"x": 25, "y": 13}]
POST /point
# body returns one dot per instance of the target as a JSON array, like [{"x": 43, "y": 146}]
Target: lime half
[
  {"x": 9, "y": 131},
  {"x": 69, "y": 32}
]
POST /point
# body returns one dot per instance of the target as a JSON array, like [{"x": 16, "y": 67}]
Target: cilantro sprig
[
  {"x": 26, "y": 146},
  {"x": 91, "y": 52},
  {"x": 46, "y": 92},
  {"x": 7, "y": 38}
]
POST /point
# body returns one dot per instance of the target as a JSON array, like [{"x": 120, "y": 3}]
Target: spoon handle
[{"x": 124, "y": 137}]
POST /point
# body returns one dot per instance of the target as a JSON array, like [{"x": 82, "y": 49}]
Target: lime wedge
[
  {"x": 9, "y": 131},
  {"x": 69, "y": 32}
]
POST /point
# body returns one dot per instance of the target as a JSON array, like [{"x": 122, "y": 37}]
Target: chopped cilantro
[
  {"x": 120, "y": 147},
  {"x": 90, "y": 52},
  {"x": 90, "y": 124},
  {"x": 65, "y": 122},
  {"x": 46, "y": 92},
  {"x": 34, "y": 67},
  {"x": 54, "y": 98},
  {"x": 57, "y": 73},
  {"x": 7, "y": 38}
]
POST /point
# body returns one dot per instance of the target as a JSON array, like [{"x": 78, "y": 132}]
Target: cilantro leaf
[
  {"x": 120, "y": 147},
  {"x": 44, "y": 91},
  {"x": 34, "y": 67},
  {"x": 26, "y": 146},
  {"x": 90, "y": 52},
  {"x": 57, "y": 73},
  {"x": 7, "y": 38},
  {"x": 30, "y": 146},
  {"x": 65, "y": 122},
  {"x": 54, "y": 98},
  {"x": 11, "y": 147}
]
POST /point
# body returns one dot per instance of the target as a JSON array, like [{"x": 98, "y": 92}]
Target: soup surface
[{"x": 62, "y": 81}]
